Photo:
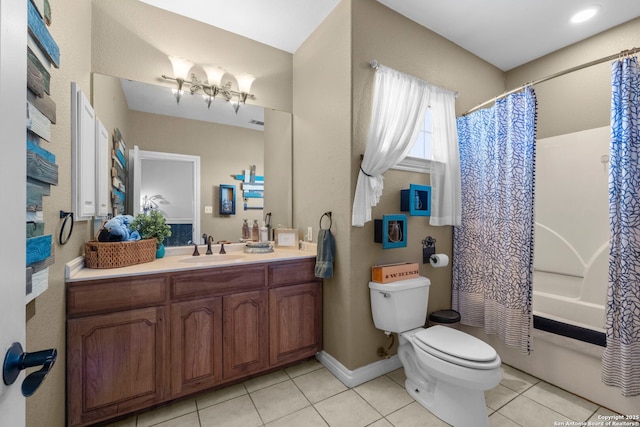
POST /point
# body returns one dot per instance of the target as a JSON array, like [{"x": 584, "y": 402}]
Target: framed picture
[
  {"x": 286, "y": 237},
  {"x": 227, "y": 199}
]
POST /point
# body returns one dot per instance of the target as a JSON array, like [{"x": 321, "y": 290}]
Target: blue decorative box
[
  {"x": 416, "y": 200},
  {"x": 391, "y": 231}
]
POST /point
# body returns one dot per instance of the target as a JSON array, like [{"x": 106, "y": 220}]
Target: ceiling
[{"x": 505, "y": 33}]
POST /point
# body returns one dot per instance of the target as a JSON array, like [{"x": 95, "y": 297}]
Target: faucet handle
[
  {"x": 222, "y": 251},
  {"x": 195, "y": 250},
  {"x": 209, "y": 242}
]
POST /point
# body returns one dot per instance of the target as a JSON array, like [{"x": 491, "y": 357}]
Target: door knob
[{"x": 17, "y": 359}]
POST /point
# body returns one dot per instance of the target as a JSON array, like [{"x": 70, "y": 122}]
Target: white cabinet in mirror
[{"x": 90, "y": 157}]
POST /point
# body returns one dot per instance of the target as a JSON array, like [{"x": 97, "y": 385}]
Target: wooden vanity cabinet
[
  {"x": 196, "y": 345},
  {"x": 116, "y": 362},
  {"x": 295, "y": 322},
  {"x": 135, "y": 342},
  {"x": 245, "y": 334}
]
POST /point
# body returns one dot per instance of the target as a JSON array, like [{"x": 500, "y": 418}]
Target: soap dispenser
[
  {"x": 255, "y": 232},
  {"x": 264, "y": 233},
  {"x": 245, "y": 231}
]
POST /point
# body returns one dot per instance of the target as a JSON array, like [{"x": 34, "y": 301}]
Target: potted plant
[{"x": 152, "y": 225}]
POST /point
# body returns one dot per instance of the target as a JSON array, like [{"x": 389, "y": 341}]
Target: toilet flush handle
[{"x": 386, "y": 294}]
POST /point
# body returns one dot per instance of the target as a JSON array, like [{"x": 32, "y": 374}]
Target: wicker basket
[{"x": 118, "y": 254}]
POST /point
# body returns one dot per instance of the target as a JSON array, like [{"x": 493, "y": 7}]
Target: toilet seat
[{"x": 456, "y": 347}]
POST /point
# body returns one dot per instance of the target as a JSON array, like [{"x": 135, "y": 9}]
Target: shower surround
[{"x": 572, "y": 228}]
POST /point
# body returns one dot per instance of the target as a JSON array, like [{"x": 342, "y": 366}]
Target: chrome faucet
[{"x": 209, "y": 241}]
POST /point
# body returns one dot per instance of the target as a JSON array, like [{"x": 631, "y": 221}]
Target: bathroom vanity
[{"x": 147, "y": 334}]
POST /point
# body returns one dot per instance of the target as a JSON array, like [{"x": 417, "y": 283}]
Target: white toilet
[{"x": 447, "y": 370}]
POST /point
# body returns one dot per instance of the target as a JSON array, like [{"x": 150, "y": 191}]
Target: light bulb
[
  {"x": 245, "y": 81},
  {"x": 181, "y": 67},
  {"x": 214, "y": 74}
]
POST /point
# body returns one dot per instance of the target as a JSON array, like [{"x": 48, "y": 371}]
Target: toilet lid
[{"x": 456, "y": 344}]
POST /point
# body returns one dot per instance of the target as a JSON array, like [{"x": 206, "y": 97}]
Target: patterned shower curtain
[
  {"x": 621, "y": 359},
  {"x": 493, "y": 247}
]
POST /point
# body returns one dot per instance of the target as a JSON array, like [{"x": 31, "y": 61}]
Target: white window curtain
[
  {"x": 445, "y": 171},
  {"x": 399, "y": 105}
]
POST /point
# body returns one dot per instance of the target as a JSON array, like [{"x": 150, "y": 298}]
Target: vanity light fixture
[{"x": 213, "y": 85}]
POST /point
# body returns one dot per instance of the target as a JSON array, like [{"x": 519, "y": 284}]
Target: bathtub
[
  {"x": 567, "y": 363},
  {"x": 571, "y": 244},
  {"x": 550, "y": 302},
  {"x": 570, "y": 277}
]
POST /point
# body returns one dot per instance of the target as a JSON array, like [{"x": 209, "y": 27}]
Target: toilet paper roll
[{"x": 439, "y": 260}]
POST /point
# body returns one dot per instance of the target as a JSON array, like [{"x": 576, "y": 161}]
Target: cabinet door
[
  {"x": 245, "y": 334},
  {"x": 83, "y": 149},
  {"x": 102, "y": 171},
  {"x": 295, "y": 322},
  {"x": 116, "y": 363},
  {"x": 196, "y": 345}
]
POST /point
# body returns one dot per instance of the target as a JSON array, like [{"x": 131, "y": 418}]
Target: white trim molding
[
  {"x": 414, "y": 164},
  {"x": 359, "y": 375}
]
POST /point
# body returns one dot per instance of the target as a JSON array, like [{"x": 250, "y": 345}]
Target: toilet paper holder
[{"x": 428, "y": 249}]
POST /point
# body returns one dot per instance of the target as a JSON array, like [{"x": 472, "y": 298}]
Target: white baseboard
[{"x": 359, "y": 375}]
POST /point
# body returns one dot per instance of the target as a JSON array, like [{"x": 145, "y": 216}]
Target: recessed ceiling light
[{"x": 585, "y": 15}]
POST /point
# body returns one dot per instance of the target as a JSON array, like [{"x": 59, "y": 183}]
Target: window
[{"x": 419, "y": 158}]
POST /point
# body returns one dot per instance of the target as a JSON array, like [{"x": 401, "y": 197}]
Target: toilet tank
[{"x": 399, "y": 306}]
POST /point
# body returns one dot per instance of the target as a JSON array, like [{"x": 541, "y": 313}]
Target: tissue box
[{"x": 394, "y": 272}]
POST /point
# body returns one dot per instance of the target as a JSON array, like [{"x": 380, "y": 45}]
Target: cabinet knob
[{"x": 17, "y": 359}]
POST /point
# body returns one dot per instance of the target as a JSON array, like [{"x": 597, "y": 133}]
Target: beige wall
[
  {"x": 321, "y": 170},
  {"x": 91, "y": 37},
  {"x": 110, "y": 104},
  {"x": 150, "y": 35},
  {"x": 379, "y": 33},
  {"x": 46, "y": 314},
  {"x": 580, "y": 100},
  {"x": 223, "y": 150},
  {"x": 278, "y": 172},
  {"x": 327, "y": 83},
  {"x": 329, "y": 137}
]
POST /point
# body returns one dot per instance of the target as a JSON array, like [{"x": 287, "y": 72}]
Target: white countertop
[{"x": 181, "y": 259}]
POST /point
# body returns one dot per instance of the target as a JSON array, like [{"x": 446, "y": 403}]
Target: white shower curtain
[
  {"x": 621, "y": 358},
  {"x": 399, "y": 105}
]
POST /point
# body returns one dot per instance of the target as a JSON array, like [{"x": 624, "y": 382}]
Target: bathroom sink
[{"x": 204, "y": 259}]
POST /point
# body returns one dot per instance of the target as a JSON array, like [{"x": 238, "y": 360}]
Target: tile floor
[{"x": 308, "y": 395}]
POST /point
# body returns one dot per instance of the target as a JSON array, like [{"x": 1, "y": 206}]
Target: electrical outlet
[
  {"x": 208, "y": 209},
  {"x": 309, "y": 234}
]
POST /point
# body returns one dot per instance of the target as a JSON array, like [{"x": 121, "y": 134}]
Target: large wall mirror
[{"x": 228, "y": 144}]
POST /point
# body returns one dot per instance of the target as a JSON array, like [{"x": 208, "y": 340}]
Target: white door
[
  {"x": 13, "y": 75},
  {"x": 148, "y": 172}
]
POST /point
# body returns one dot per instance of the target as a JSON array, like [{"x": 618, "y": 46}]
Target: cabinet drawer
[
  {"x": 217, "y": 281},
  {"x": 115, "y": 295},
  {"x": 292, "y": 272}
]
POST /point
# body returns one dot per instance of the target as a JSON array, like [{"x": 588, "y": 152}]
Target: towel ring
[
  {"x": 327, "y": 214},
  {"x": 67, "y": 216}
]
